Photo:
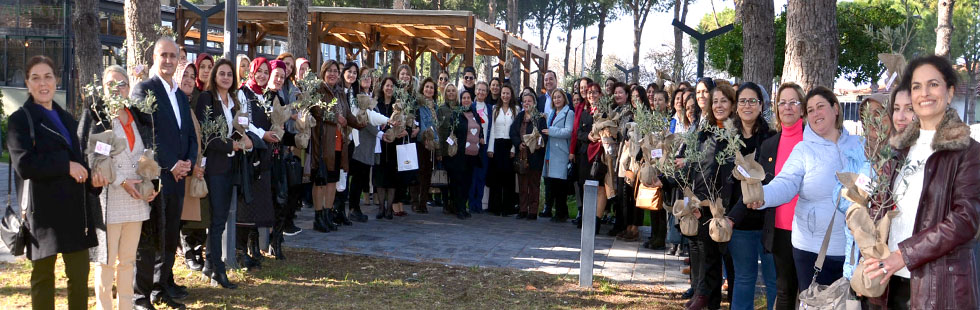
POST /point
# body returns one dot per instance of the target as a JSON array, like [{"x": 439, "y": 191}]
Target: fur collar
[{"x": 951, "y": 134}]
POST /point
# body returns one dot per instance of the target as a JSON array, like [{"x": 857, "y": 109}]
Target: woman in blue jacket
[{"x": 559, "y": 133}]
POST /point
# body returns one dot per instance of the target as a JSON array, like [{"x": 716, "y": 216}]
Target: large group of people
[{"x": 213, "y": 142}]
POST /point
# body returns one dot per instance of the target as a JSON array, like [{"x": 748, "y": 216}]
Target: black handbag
[
  {"x": 294, "y": 170},
  {"x": 13, "y": 227},
  {"x": 598, "y": 169}
]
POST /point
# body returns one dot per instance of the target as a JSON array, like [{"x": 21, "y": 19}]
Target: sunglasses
[{"x": 468, "y": 78}]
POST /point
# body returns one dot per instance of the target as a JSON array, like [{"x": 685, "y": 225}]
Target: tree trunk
[
  {"x": 88, "y": 50},
  {"x": 513, "y": 26},
  {"x": 572, "y": 10},
  {"x": 680, "y": 14},
  {"x": 811, "y": 43},
  {"x": 597, "y": 64},
  {"x": 434, "y": 66},
  {"x": 944, "y": 30},
  {"x": 640, "y": 9},
  {"x": 757, "y": 17},
  {"x": 490, "y": 60},
  {"x": 298, "y": 31},
  {"x": 140, "y": 37}
]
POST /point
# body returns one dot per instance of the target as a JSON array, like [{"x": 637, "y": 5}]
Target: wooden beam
[
  {"x": 527, "y": 68},
  {"x": 502, "y": 58},
  {"x": 313, "y": 45},
  {"x": 470, "y": 47}
]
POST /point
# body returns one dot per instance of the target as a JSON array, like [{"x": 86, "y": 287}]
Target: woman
[
  {"x": 778, "y": 221},
  {"x": 365, "y": 151},
  {"x": 444, "y": 113},
  {"x": 215, "y": 105},
  {"x": 193, "y": 230},
  {"x": 678, "y": 122},
  {"x": 405, "y": 78},
  {"x": 426, "y": 116},
  {"x": 809, "y": 172},
  {"x": 386, "y": 177},
  {"x": 702, "y": 92},
  {"x": 468, "y": 134},
  {"x": 443, "y": 81},
  {"x": 280, "y": 148},
  {"x": 500, "y": 176},
  {"x": 651, "y": 90},
  {"x": 746, "y": 242},
  {"x": 42, "y": 147},
  {"x": 631, "y": 216},
  {"x": 577, "y": 147},
  {"x": 658, "y": 218},
  {"x": 608, "y": 86},
  {"x": 658, "y": 101},
  {"x": 933, "y": 244},
  {"x": 900, "y": 109},
  {"x": 366, "y": 81},
  {"x": 204, "y": 64},
  {"x": 123, "y": 209},
  {"x": 328, "y": 145},
  {"x": 559, "y": 132},
  {"x": 710, "y": 178},
  {"x": 243, "y": 67},
  {"x": 259, "y": 211},
  {"x": 494, "y": 97},
  {"x": 289, "y": 90},
  {"x": 302, "y": 68},
  {"x": 591, "y": 153},
  {"x": 529, "y": 178},
  {"x": 623, "y": 206}
]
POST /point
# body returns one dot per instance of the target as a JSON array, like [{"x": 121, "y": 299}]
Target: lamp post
[{"x": 582, "y": 69}]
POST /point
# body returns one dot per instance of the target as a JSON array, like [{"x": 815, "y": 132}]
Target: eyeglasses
[
  {"x": 468, "y": 78},
  {"x": 443, "y": 79},
  {"x": 794, "y": 103},
  {"x": 747, "y": 102}
]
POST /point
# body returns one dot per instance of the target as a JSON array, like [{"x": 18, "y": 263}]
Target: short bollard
[{"x": 591, "y": 191}]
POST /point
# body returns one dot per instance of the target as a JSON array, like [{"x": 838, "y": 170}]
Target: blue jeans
[
  {"x": 746, "y": 250},
  {"x": 479, "y": 182},
  {"x": 833, "y": 268}
]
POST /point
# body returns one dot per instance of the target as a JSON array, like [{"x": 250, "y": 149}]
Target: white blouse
[
  {"x": 909, "y": 188},
  {"x": 501, "y": 127}
]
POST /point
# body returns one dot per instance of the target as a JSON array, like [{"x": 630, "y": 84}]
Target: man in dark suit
[
  {"x": 544, "y": 105},
  {"x": 175, "y": 152}
]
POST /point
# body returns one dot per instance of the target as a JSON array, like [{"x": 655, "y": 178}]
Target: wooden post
[
  {"x": 502, "y": 58},
  {"x": 470, "y": 50},
  {"x": 251, "y": 35},
  {"x": 179, "y": 25},
  {"x": 316, "y": 25},
  {"x": 588, "y": 233},
  {"x": 527, "y": 65}
]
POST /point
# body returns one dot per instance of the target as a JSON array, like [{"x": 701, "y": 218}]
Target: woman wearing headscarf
[
  {"x": 255, "y": 207},
  {"x": 204, "y": 64},
  {"x": 281, "y": 156},
  {"x": 193, "y": 230},
  {"x": 300, "y": 192}
]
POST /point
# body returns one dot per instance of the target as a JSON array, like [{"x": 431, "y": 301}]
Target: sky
[{"x": 657, "y": 31}]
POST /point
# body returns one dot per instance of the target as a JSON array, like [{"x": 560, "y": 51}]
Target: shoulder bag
[
  {"x": 13, "y": 227},
  {"x": 825, "y": 297}
]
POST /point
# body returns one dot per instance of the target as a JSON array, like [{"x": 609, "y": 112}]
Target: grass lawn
[{"x": 312, "y": 280}]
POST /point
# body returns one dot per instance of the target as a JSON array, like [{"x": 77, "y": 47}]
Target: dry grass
[{"x": 312, "y": 280}]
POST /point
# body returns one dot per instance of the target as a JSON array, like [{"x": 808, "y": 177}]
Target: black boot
[
  {"x": 382, "y": 212},
  {"x": 357, "y": 215},
  {"x": 217, "y": 278},
  {"x": 329, "y": 219},
  {"x": 341, "y": 216},
  {"x": 254, "y": 249},
  {"x": 318, "y": 221},
  {"x": 275, "y": 244},
  {"x": 390, "y": 212}
]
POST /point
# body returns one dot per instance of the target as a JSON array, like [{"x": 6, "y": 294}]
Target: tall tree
[
  {"x": 570, "y": 13},
  {"x": 514, "y": 22},
  {"x": 88, "y": 50},
  {"x": 944, "y": 28},
  {"x": 640, "y": 9},
  {"x": 140, "y": 36},
  {"x": 604, "y": 7},
  {"x": 967, "y": 20},
  {"x": 811, "y": 43},
  {"x": 489, "y": 60},
  {"x": 680, "y": 14},
  {"x": 758, "y": 45},
  {"x": 298, "y": 31}
]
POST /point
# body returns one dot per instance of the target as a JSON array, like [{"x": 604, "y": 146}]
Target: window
[{"x": 15, "y": 62}]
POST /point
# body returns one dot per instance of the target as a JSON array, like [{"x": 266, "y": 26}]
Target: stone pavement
[{"x": 493, "y": 241}]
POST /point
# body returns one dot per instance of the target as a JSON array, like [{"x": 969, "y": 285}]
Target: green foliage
[
  {"x": 858, "y": 61},
  {"x": 213, "y": 128},
  {"x": 724, "y": 52},
  {"x": 109, "y": 105}
]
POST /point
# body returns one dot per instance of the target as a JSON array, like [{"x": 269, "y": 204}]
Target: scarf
[
  {"x": 197, "y": 69},
  {"x": 252, "y": 69},
  {"x": 595, "y": 148},
  {"x": 578, "y": 117},
  {"x": 128, "y": 129}
]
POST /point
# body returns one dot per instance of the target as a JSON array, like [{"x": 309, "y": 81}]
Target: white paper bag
[
  {"x": 408, "y": 157},
  {"x": 342, "y": 183}
]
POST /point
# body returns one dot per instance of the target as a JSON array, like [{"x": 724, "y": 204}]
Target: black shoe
[
  {"x": 248, "y": 262},
  {"x": 356, "y": 215},
  {"x": 329, "y": 219},
  {"x": 467, "y": 214},
  {"x": 340, "y": 217},
  {"x": 545, "y": 213},
  {"x": 532, "y": 217},
  {"x": 168, "y": 301},
  {"x": 673, "y": 249},
  {"x": 615, "y": 231},
  {"x": 291, "y": 229},
  {"x": 173, "y": 292},
  {"x": 143, "y": 304},
  {"x": 688, "y": 294},
  {"x": 578, "y": 220},
  {"x": 221, "y": 279},
  {"x": 521, "y": 216},
  {"x": 318, "y": 221},
  {"x": 382, "y": 211},
  {"x": 253, "y": 248},
  {"x": 598, "y": 225},
  {"x": 559, "y": 219}
]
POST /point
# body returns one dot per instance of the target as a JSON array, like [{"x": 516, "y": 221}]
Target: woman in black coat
[
  {"x": 529, "y": 178},
  {"x": 48, "y": 160},
  {"x": 460, "y": 166}
]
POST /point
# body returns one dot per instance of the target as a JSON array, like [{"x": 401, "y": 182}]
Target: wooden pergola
[{"x": 363, "y": 31}]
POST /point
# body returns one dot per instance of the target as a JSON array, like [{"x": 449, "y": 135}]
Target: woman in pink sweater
[{"x": 778, "y": 225}]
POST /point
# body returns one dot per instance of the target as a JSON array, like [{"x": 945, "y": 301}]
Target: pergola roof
[{"x": 367, "y": 29}]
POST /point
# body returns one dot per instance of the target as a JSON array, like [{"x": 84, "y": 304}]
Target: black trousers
[
  {"x": 42, "y": 280},
  {"x": 360, "y": 175},
  {"x": 710, "y": 258},
  {"x": 219, "y": 194},
  {"x": 556, "y": 195},
  {"x": 786, "y": 283},
  {"x": 154, "y": 268},
  {"x": 899, "y": 293},
  {"x": 658, "y": 227},
  {"x": 461, "y": 178}
]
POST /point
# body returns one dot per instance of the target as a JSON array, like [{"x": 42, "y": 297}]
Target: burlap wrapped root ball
[
  {"x": 102, "y": 164},
  {"x": 241, "y": 121},
  {"x": 648, "y": 175},
  {"x": 751, "y": 174},
  {"x": 147, "y": 167},
  {"x": 684, "y": 212},
  {"x": 364, "y": 104},
  {"x": 428, "y": 139},
  {"x": 280, "y": 115},
  {"x": 533, "y": 141},
  {"x": 452, "y": 147},
  {"x": 401, "y": 119},
  {"x": 304, "y": 125},
  {"x": 719, "y": 228},
  {"x": 197, "y": 188},
  {"x": 853, "y": 192},
  {"x": 872, "y": 240}
]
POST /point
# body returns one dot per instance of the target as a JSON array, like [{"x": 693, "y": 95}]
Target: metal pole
[
  {"x": 588, "y": 233},
  {"x": 231, "y": 37}
]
